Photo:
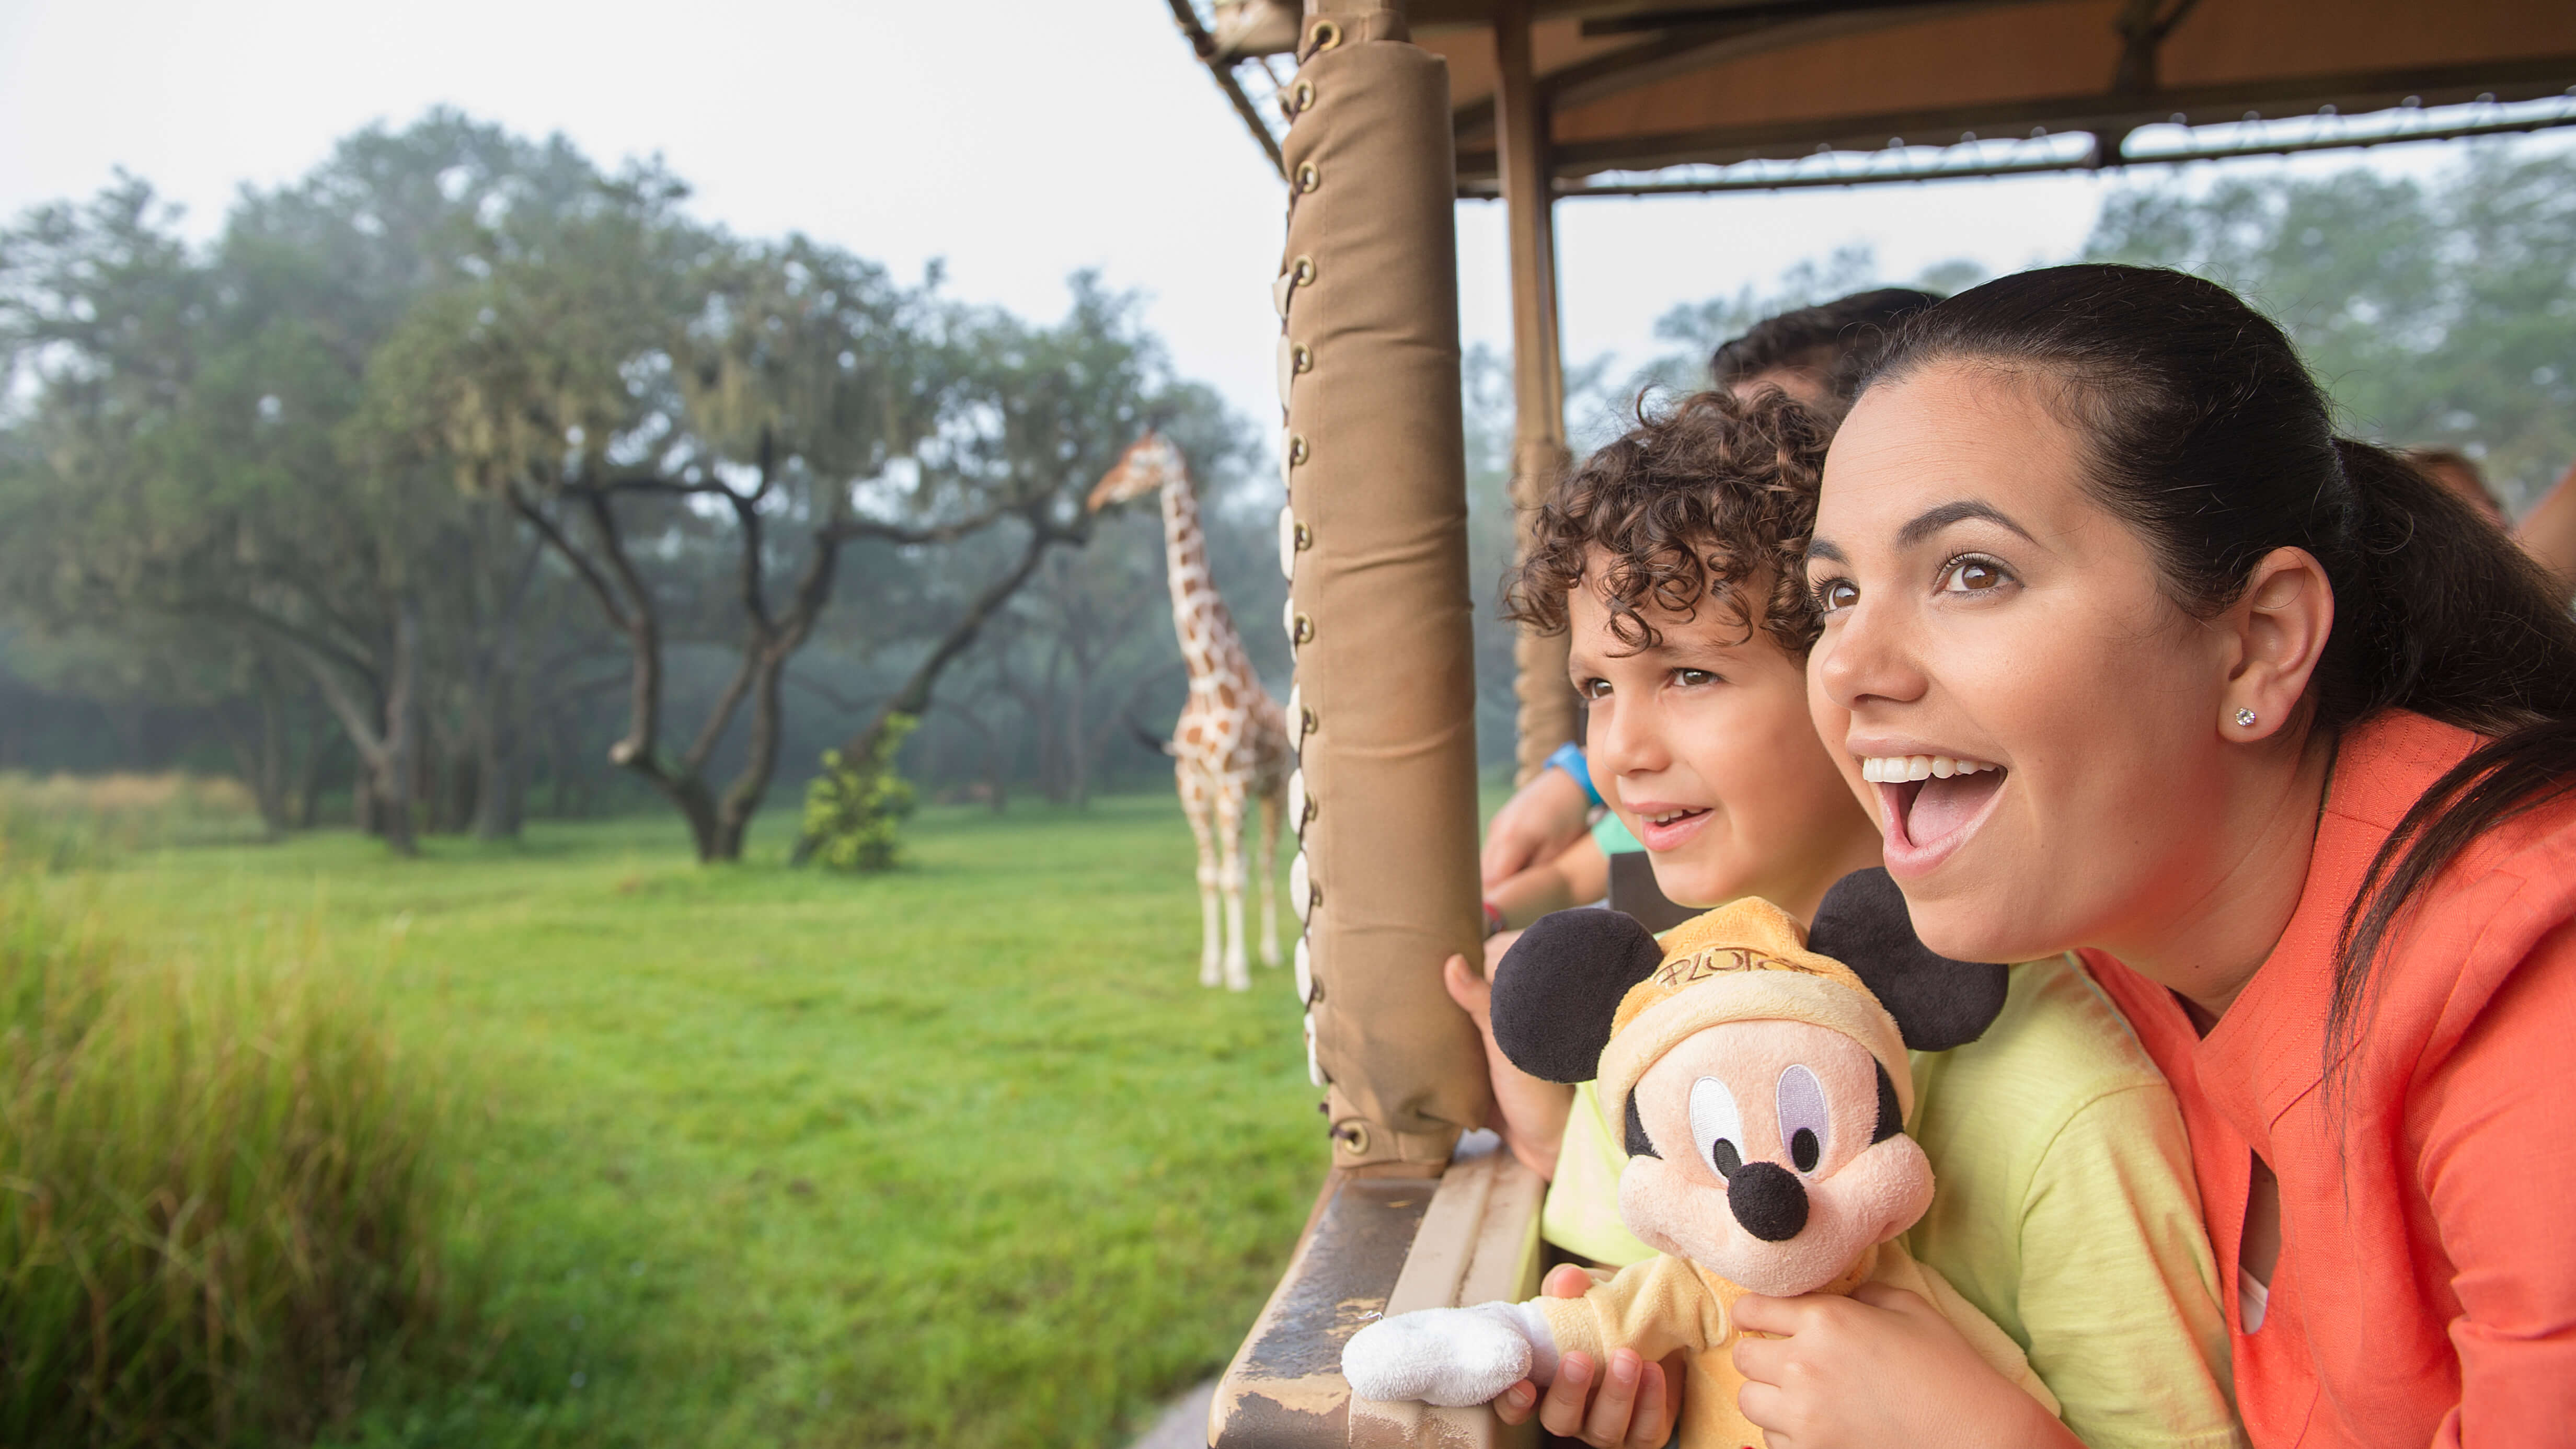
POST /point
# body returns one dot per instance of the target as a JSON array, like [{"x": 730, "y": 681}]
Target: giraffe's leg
[
  {"x": 1196, "y": 804},
  {"x": 1229, "y": 845},
  {"x": 1273, "y": 804}
]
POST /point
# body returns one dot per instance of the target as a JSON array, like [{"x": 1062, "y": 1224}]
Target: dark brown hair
[
  {"x": 2207, "y": 434},
  {"x": 1708, "y": 498},
  {"x": 1838, "y": 341}
]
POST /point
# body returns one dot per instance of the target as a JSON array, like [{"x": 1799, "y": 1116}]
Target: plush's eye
[
  {"x": 1803, "y": 1125},
  {"x": 1717, "y": 1129}
]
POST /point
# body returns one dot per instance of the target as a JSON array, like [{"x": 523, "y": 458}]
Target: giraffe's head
[{"x": 1142, "y": 469}]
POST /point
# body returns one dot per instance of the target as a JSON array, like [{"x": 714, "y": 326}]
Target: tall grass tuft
[
  {"x": 220, "y": 1190},
  {"x": 69, "y": 822}
]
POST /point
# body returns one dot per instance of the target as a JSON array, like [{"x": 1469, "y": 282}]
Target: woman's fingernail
[{"x": 1624, "y": 1368}]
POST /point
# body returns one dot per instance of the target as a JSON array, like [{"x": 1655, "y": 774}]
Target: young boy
[{"x": 2066, "y": 1208}]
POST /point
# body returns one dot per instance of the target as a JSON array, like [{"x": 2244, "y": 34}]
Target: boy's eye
[
  {"x": 1594, "y": 689},
  {"x": 1835, "y": 594},
  {"x": 1693, "y": 678},
  {"x": 1973, "y": 575}
]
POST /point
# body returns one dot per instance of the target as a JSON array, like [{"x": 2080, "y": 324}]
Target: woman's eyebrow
[
  {"x": 1932, "y": 520},
  {"x": 1823, "y": 548}
]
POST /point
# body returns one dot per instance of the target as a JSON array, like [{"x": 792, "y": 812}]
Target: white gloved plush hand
[{"x": 1450, "y": 1356}]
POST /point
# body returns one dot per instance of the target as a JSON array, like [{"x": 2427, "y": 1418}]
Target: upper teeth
[
  {"x": 1668, "y": 817},
  {"x": 1892, "y": 769}
]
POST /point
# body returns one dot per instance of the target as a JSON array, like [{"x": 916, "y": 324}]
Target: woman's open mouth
[{"x": 1930, "y": 804}]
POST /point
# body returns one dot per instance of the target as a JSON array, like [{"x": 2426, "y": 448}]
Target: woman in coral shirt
[{"x": 2130, "y": 654}]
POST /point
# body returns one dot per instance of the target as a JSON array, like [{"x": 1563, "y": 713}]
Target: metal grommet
[
  {"x": 1301, "y": 358},
  {"x": 1323, "y": 37},
  {"x": 1303, "y": 269},
  {"x": 1308, "y": 178},
  {"x": 1301, "y": 97},
  {"x": 1305, "y": 538},
  {"x": 1352, "y": 1137},
  {"x": 1305, "y": 723},
  {"x": 1296, "y": 448},
  {"x": 1304, "y": 631}
]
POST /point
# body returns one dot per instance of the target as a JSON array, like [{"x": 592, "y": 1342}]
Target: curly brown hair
[{"x": 1711, "y": 497}]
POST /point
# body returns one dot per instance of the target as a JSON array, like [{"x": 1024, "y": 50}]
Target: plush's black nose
[{"x": 1769, "y": 1200}]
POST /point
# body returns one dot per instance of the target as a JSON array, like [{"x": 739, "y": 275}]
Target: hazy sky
[{"x": 1018, "y": 139}]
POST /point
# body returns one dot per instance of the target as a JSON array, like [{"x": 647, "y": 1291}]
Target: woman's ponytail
[
  {"x": 2210, "y": 437},
  {"x": 2458, "y": 623}
]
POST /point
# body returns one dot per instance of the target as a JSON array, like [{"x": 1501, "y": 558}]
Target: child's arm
[
  {"x": 1528, "y": 1112},
  {"x": 2548, "y": 533},
  {"x": 1538, "y": 822},
  {"x": 1575, "y": 876},
  {"x": 2116, "y": 1286}
]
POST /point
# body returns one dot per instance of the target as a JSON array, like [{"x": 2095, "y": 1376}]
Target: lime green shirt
[{"x": 2066, "y": 1211}]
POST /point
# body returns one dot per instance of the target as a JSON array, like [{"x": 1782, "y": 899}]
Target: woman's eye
[
  {"x": 1804, "y": 1125},
  {"x": 1717, "y": 1129},
  {"x": 1835, "y": 594},
  {"x": 1974, "y": 576}
]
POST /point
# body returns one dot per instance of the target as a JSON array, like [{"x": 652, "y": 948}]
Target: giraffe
[{"x": 1231, "y": 744}]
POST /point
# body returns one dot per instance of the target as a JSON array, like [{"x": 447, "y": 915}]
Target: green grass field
[{"x": 959, "y": 1155}]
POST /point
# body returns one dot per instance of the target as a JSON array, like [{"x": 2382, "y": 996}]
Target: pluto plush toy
[{"x": 1764, "y": 1087}]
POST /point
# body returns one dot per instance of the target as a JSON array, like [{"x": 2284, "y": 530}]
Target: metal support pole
[{"x": 1539, "y": 456}]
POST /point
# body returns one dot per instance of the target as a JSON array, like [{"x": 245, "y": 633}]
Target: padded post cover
[{"x": 1383, "y": 710}]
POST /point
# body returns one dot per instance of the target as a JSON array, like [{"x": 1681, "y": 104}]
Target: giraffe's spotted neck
[{"x": 1209, "y": 644}]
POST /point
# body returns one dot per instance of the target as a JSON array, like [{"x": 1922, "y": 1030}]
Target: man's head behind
[{"x": 1817, "y": 354}]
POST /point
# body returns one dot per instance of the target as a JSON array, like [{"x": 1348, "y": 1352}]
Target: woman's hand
[
  {"x": 1880, "y": 1367},
  {"x": 1638, "y": 1401}
]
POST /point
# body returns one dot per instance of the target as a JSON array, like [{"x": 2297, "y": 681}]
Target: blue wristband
[{"x": 1569, "y": 758}]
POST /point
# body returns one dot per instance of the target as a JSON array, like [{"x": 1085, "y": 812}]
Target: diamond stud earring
[{"x": 2245, "y": 717}]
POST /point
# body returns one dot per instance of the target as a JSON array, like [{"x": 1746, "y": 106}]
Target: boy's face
[{"x": 1703, "y": 745}]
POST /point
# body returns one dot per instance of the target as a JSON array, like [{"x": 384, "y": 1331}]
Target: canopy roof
[{"x": 1766, "y": 93}]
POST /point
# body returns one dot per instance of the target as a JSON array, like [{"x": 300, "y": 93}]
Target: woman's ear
[
  {"x": 1560, "y": 984},
  {"x": 2276, "y": 631},
  {"x": 1938, "y": 1003}
]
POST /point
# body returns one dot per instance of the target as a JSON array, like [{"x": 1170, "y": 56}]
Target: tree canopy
[{"x": 462, "y": 437}]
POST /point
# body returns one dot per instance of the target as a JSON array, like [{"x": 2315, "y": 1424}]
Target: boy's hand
[
  {"x": 1529, "y": 1113},
  {"x": 1635, "y": 1408},
  {"x": 1880, "y": 1367}
]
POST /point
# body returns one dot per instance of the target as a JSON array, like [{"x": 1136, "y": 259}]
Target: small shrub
[
  {"x": 854, "y": 807},
  {"x": 219, "y": 1193}
]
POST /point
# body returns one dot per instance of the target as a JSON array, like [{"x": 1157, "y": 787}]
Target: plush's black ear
[
  {"x": 1560, "y": 984},
  {"x": 1937, "y": 1002}
]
